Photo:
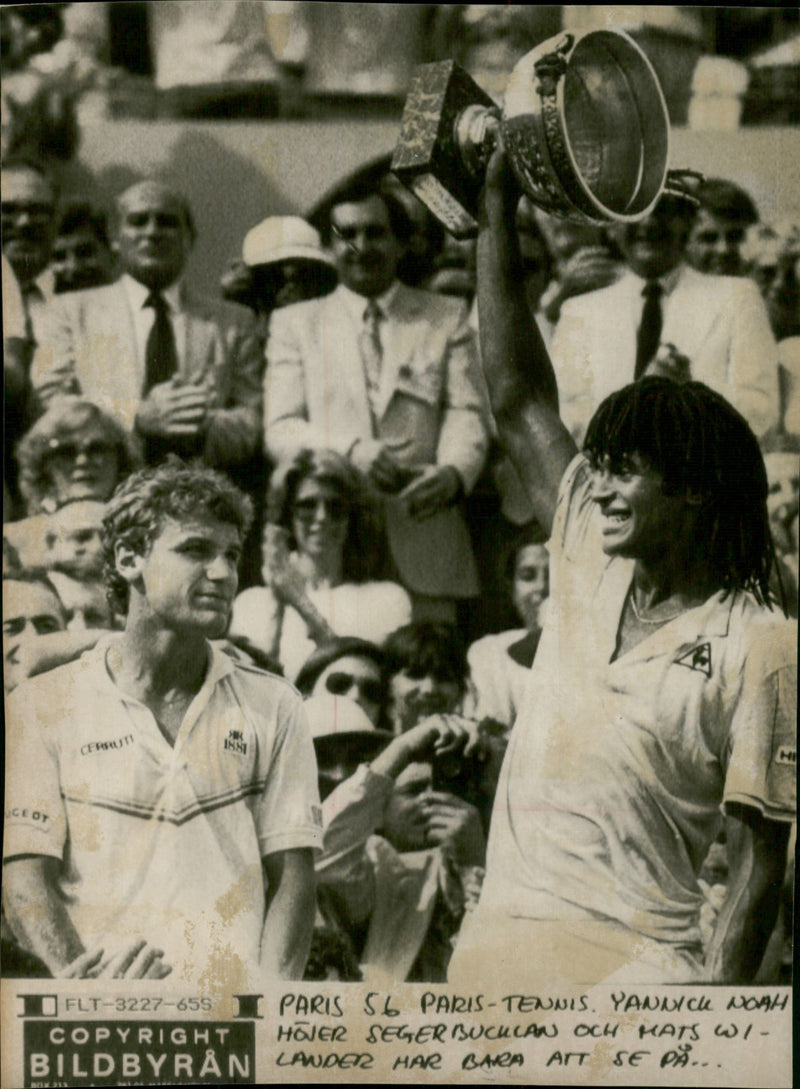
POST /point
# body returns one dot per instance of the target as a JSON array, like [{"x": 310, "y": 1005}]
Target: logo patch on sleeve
[
  {"x": 235, "y": 742},
  {"x": 698, "y": 658},
  {"x": 785, "y": 754}
]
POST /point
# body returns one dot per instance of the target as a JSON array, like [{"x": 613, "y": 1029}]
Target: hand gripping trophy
[{"x": 584, "y": 124}]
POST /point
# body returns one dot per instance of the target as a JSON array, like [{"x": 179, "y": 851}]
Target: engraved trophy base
[{"x": 429, "y": 158}]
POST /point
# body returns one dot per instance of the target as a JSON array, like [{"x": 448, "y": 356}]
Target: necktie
[
  {"x": 160, "y": 364},
  {"x": 371, "y": 350},
  {"x": 33, "y": 302},
  {"x": 649, "y": 335},
  {"x": 160, "y": 354}
]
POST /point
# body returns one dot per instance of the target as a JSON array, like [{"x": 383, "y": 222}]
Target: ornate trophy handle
[
  {"x": 476, "y": 126},
  {"x": 683, "y": 183},
  {"x": 552, "y": 66}
]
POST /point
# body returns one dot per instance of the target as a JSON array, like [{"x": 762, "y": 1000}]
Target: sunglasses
[
  {"x": 339, "y": 684},
  {"x": 373, "y": 232},
  {"x": 95, "y": 450},
  {"x": 40, "y": 213},
  {"x": 336, "y": 509},
  {"x": 422, "y": 674}
]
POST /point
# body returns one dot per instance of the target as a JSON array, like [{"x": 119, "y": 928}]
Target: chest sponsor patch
[
  {"x": 92, "y": 747},
  {"x": 698, "y": 659},
  {"x": 785, "y": 754}
]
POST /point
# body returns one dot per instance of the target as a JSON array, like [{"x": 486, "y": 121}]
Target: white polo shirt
[
  {"x": 158, "y": 841},
  {"x": 616, "y": 772}
]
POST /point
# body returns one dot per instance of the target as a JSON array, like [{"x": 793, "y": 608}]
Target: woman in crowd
[
  {"x": 347, "y": 667},
  {"x": 321, "y": 548},
  {"x": 74, "y": 451},
  {"x": 282, "y": 262},
  {"x": 70, "y": 461},
  {"x": 499, "y": 664}
]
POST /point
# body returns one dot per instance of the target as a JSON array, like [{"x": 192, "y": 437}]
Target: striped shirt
[{"x": 158, "y": 841}]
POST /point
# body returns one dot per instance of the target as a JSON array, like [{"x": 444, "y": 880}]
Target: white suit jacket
[
  {"x": 90, "y": 348},
  {"x": 315, "y": 395},
  {"x": 719, "y": 322}
]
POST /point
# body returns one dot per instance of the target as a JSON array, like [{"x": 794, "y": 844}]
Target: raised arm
[
  {"x": 519, "y": 373},
  {"x": 354, "y": 811},
  {"x": 756, "y": 848}
]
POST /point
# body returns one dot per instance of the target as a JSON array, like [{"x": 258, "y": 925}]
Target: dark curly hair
[
  {"x": 139, "y": 506},
  {"x": 363, "y": 547},
  {"x": 699, "y": 443},
  {"x": 427, "y": 647},
  {"x": 66, "y": 417}
]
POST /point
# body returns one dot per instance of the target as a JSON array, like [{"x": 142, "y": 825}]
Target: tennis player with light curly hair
[{"x": 170, "y": 825}]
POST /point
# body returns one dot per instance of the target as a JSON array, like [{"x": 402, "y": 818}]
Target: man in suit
[
  {"x": 183, "y": 373},
  {"x": 29, "y": 222},
  {"x": 607, "y": 338},
  {"x": 29, "y": 201},
  {"x": 720, "y": 227},
  {"x": 386, "y": 375}
]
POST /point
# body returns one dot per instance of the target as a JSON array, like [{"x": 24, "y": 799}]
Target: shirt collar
[
  {"x": 137, "y": 294},
  {"x": 357, "y": 304},
  {"x": 220, "y": 665},
  {"x": 714, "y": 615},
  {"x": 711, "y": 618},
  {"x": 668, "y": 283},
  {"x": 45, "y": 284}
]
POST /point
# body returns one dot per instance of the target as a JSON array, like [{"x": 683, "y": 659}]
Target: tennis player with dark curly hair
[{"x": 662, "y": 699}]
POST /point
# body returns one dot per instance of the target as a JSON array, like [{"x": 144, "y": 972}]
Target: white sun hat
[
  {"x": 283, "y": 238},
  {"x": 339, "y": 716}
]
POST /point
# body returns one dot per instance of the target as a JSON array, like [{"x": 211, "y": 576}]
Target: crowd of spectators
[{"x": 394, "y": 555}]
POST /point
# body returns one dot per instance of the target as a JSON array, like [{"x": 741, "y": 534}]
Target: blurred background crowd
[{"x": 331, "y": 368}]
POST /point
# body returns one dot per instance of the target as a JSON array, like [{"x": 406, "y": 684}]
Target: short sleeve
[
  {"x": 35, "y": 818},
  {"x": 573, "y": 509},
  {"x": 575, "y": 542},
  {"x": 288, "y": 813},
  {"x": 762, "y": 761}
]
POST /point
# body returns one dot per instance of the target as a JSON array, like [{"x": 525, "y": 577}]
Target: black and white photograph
[{"x": 400, "y": 542}]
